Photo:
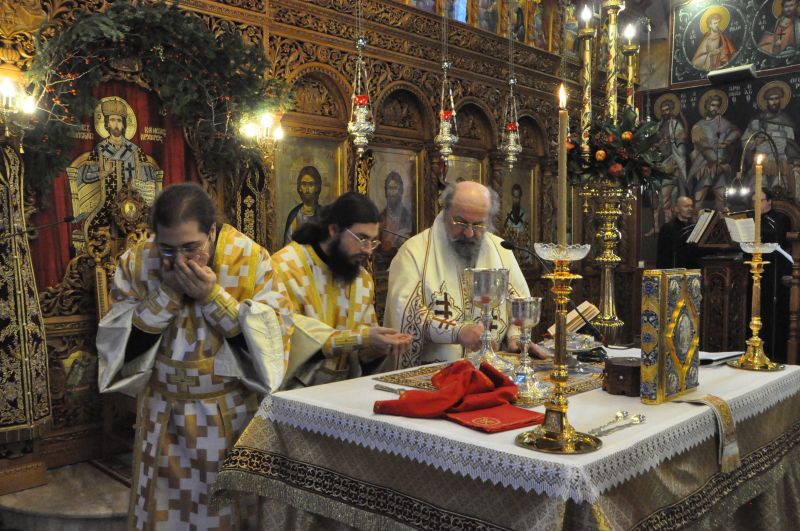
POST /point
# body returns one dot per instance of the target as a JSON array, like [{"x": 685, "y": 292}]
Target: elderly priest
[{"x": 428, "y": 298}]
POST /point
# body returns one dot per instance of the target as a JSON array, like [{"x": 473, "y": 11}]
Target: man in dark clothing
[
  {"x": 774, "y": 295},
  {"x": 673, "y": 251}
]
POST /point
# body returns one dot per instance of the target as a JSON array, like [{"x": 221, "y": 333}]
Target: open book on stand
[
  {"x": 574, "y": 321},
  {"x": 703, "y": 222}
]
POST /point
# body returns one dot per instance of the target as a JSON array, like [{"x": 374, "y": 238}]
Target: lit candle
[
  {"x": 586, "y": 16},
  {"x": 629, "y": 33},
  {"x": 586, "y": 77},
  {"x": 563, "y": 122},
  {"x": 757, "y": 196}
]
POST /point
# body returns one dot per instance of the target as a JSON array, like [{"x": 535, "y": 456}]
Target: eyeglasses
[
  {"x": 365, "y": 243},
  {"x": 464, "y": 225},
  {"x": 185, "y": 250}
]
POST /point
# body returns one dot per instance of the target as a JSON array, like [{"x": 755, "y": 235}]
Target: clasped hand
[{"x": 189, "y": 277}]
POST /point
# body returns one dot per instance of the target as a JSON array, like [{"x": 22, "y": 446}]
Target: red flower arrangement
[{"x": 625, "y": 152}]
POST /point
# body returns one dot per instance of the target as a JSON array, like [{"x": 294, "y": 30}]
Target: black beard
[
  {"x": 467, "y": 249},
  {"x": 342, "y": 266}
]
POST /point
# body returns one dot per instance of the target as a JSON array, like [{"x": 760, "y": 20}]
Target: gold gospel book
[{"x": 670, "y": 333}]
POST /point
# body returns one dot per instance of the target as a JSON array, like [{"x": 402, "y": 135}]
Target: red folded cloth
[
  {"x": 498, "y": 418},
  {"x": 460, "y": 387}
]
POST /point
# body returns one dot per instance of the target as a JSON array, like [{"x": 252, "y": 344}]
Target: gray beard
[{"x": 467, "y": 249}]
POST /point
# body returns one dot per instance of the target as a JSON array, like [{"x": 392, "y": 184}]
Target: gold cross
[{"x": 183, "y": 381}]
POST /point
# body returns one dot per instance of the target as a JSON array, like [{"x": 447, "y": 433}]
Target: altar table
[{"x": 323, "y": 459}]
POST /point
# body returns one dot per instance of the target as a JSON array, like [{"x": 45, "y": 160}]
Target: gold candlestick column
[
  {"x": 754, "y": 358},
  {"x": 585, "y": 35},
  {"x": 629, "y": 51},
  {"x": 556, "y": 435},
  {"x": 609, "y": 195},
  {"x": 612, "y": 7}
]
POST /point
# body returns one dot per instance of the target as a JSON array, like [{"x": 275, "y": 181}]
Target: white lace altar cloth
[{"x": 343, "y": 410}]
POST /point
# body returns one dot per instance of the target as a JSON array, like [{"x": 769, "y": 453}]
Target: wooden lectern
[{"x": 724, "y": 315}]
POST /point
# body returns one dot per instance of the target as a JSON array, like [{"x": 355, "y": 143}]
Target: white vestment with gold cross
[
  {"x": 429, "y": 299},
  {"x": 197, "y": 385},
  {"x": 332, "y": 317}
]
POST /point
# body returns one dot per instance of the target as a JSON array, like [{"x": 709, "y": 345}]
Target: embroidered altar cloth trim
[{"x": 343, "y": 410}]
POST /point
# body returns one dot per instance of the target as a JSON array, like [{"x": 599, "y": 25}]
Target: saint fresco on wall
[
  {"x": 709, "y": 35},
  {"x": 712, "y": 132}
]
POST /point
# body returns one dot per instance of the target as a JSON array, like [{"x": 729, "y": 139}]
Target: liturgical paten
[{"x": 670, "y": 326}]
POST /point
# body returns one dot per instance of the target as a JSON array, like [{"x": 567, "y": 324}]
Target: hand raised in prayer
[
  {"x": 195, "y": 280},
  {"x": 533, "y": 348},
  {"x": 471, "y": 336},
  {"x": 169, "y": 278},
  {"x": 386, "y": 342}
]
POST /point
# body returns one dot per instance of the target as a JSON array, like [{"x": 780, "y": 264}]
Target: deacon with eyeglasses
[
  {"x": 197, "y": 331},
  {"x": 428, "y": 296},
  {"x": 336, "y": 334}
]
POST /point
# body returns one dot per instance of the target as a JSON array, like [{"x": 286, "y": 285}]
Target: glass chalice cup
[
  {"x": 489, "y": 290},
  {"x": 525, "y": 312}
]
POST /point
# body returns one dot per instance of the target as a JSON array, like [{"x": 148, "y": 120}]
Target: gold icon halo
[
  {"x": 130, "y": 117},
  {"x": 761, "y": 97},
  {"x": 722, "y": 11},
  {"x": 777, "y": 8},
  {"x": 701, "y": 106},
  {"x": 668, "y": 97}
]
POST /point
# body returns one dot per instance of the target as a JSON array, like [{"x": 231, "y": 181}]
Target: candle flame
[
  {"x": 562, "y": 97},
  {"x": 759, "y": 159},
  {"x": 586, "y": 14},
  {"x": 630, "y": 32}
]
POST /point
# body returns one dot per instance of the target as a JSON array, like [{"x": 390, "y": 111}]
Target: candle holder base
[
  {"x": 754, "y": 358},
  {"x": 556, "y": 436}
]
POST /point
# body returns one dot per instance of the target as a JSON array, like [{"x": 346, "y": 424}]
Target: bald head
[
  {"x": 471, "y": 195},
  {"x": 684, "y": 208}
]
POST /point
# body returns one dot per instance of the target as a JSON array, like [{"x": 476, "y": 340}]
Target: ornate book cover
[{"x": 670, "y": 333}]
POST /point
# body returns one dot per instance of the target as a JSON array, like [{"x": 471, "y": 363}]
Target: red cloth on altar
[{"x": 464, "y": 394}]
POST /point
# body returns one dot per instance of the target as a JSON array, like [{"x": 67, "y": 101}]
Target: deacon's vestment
[
  {"x": 429, "y": 299},
  {"x": 197, "y": 384},
  {"x": 332, "y": 318}
]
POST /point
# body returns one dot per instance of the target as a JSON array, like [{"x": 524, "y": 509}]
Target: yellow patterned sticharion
[{"x": 199, "y": 388}]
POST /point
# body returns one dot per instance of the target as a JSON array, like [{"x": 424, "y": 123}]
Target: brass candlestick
[
  {"x": 629, "y": 51},
  {"x": 612, "y": 7},
  {"x": 585, "y": 35},
  {"x": 754, "y": 358},
  {"x": 610, "y": 196},
  {"x": 556, "y": 435}
]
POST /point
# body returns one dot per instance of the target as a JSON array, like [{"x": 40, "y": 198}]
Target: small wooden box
[
  {"x": 670, "y": 333},
  {"x": 622, "y": 376}
]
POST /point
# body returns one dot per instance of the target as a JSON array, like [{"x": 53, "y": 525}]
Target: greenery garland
[
  {"x": 626, "y": 152},
  {"x": 206, "y": 83}
]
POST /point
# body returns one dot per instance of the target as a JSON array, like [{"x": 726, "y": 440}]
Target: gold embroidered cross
[{"x": 183, "y": 381}]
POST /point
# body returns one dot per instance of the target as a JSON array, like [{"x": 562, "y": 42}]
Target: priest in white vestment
[{"x": 428, "y": 297}]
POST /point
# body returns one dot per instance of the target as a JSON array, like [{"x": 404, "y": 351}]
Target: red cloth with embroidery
[
  {"x": 479, "y": 399},
  {"x": 459, "y": 387}
]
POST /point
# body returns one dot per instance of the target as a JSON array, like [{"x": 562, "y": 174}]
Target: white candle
[
  {"x": 563, "y": 123},
  {"x": 757, "y": 196}
]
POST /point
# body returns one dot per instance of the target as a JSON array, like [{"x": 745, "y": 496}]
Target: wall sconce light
[{"x": 266, "y": 131}]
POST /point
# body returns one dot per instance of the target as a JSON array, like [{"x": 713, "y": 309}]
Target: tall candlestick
[
  {"x": 585, "y": 35},
  {"x": 757, "y": 196},
  {"x": 630, "y": 50},
  {"x": 563, "y": 122},
  {"x": 612, "y": 7}
]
